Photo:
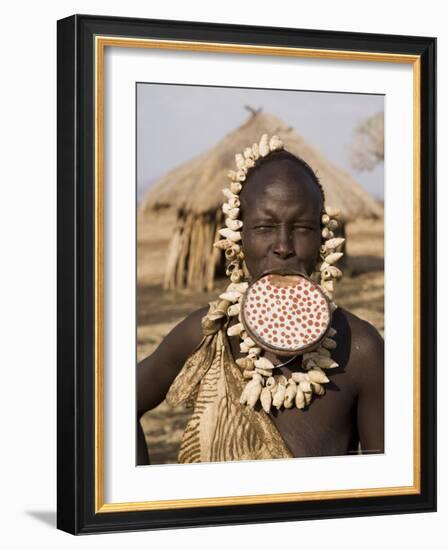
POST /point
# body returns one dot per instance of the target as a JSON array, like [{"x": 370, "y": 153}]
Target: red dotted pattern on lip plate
[{"x": 285, "y": 312}]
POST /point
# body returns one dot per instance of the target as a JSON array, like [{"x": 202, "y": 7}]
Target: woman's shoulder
[
  {"x": 361, "y": 330},
  {"x": 188, "y": 333},
  {"x": 365, "y": 351}
]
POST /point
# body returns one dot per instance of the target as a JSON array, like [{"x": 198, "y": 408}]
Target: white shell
[
  {"x": 264, "y": 363},
  {"x": 228, "y": 193},
  {"x": 235, "y": 187},
  {"x": 248, "y": 374},
  {"x": 257, "y": 378},
  {"x": 227, "y": 233},
  {"x": 250, "y": 344},
  {"x": 244, "y": 348},
  {"x": 245, "y": 363},
  {"x": 241, "y": 175},
  {"x": 327, "y": 234},
  {"x": 266, "y": 399},
  {"x": 328, "y": 286},
  {"x": 235, "y": 330},
  {"x": 232, "y": 212},
  {"x": 332, "y": 225},
  {"x": 317, "y": 375},
  {"x": 332, "y": 211},
  {"x": 279, "y": 396},
  {"x": 332, "y": 244},
  {"x": 255, "y": 151},
  {"x": 226, "y": 207},
  {"x": 290, "y": 394},
  {"x": 223, "y": 244},
  {"x": 275, "y": 143},
  {"x": 255, "y": 382},
  {"x": 254, "y": 394},
  {"x": 334, "y": 272},
  {"x": 239, "y": 159},
  {"x": 248, "y": 153},
  {"x": 333, "y": 257},
  {"x": 264, "y": 372},
  {"x": 233, "y": 310},
  {"x": 305, "y": 386},
  {"x": 298, "y": 377},
  {"x": 231, "y": 253},
  {"x": 240, "y": 287},
  {"x": 325, "y": 218},
  {"x": 237, "y": 275},
  {"x": 234, "y": 224},
  {"x": 300, "y": 399},
  {"x": 234, "y": 202},
  {"x": 230, "y": 296},
  {"x": 263, "y": 146},
  {"x": 281, "y": 379},
  {"x": 325, "y": 362}
]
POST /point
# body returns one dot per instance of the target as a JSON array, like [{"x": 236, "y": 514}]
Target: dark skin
[{"x": 280, "y": 209}]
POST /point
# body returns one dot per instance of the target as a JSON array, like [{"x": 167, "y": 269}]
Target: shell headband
[{"x": 263, "y": 385}]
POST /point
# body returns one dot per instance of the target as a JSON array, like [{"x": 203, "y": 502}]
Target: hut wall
[{"x": 191, "y": 258}]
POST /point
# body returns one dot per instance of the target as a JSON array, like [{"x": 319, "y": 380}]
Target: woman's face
[{"x": 281, "y": 208}]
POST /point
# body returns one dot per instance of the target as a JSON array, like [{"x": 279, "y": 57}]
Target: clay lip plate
[{"x": 284, "y": 281}]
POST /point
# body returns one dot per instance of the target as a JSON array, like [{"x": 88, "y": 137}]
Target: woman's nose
[{"x": 283, "y": 246}]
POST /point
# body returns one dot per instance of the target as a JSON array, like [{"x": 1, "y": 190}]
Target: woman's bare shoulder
[
  {"x": 366, "y": 348},
  {"x": 361, "y": 329},
  {"x": 185, "y": 336}
]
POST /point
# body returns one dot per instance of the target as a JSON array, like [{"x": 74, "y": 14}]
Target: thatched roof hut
[{"x": 193, "y": 191}]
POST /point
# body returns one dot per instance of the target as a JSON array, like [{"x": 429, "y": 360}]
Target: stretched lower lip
[{"x": 284, "y": 271}]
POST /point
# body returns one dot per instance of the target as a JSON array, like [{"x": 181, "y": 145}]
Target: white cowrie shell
[{"x": 263, "y": 146}]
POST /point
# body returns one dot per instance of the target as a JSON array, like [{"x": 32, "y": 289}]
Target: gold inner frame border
[{"x": 100, "y": 44}]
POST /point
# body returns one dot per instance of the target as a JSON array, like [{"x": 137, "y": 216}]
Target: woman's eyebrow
[
  {"x": 265, "y": 216},
  {"x": 268, "y": 219},
  {"x": 267, "y": 212},
  {"x": 258, "y": 221}
]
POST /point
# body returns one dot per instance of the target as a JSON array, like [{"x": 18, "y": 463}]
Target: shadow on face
[{"x": 281, "y": 205}]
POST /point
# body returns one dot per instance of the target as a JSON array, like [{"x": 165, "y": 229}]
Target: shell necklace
[{"x": 307, "y": 332}]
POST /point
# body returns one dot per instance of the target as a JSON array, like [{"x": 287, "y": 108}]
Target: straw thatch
[{"x": 193, "y": 191}]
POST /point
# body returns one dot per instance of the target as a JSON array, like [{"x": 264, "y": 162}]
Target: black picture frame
[{"x": 77, "y": 494}]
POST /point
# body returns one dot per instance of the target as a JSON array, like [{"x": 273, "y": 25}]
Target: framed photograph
[{"x": 246, "y": 274}]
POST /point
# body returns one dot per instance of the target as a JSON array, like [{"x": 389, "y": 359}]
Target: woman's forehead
[{"x": 281, "y": 190}]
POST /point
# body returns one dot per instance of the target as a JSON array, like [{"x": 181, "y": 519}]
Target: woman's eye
[
  {"x": 263, "y": 227},
  {"x": 302, "y": 228}
]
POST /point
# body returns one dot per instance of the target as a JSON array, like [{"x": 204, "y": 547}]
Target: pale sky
[{"x": 177, "y": 122}]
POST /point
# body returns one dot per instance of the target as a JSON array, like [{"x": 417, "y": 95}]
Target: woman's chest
[{"x": 327, "y": 427}]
